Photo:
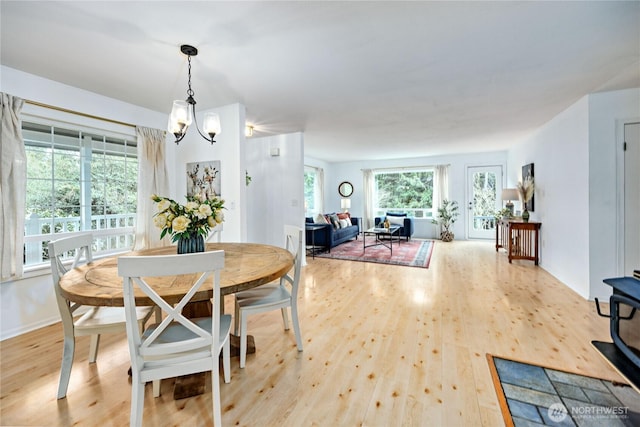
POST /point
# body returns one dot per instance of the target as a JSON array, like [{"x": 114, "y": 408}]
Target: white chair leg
[
  {"x": 156, "y": 388},
  {"x": 137, "y": 402},
  {"x": 243, "y": 338},
  {"x": 285, "y": 318},
  {"x": 226, "y": 361},
  {"x": 296, "y": 326},
  {"x": 215, "y": 395},
  {"x": 68, "y": 350},
  {"x": 93, "y": 348}
]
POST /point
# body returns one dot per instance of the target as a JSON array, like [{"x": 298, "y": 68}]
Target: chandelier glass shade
[{"x": 183, "y": 113}]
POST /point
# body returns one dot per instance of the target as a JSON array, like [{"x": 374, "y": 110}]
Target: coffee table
[{"x": 383, "y": 237}]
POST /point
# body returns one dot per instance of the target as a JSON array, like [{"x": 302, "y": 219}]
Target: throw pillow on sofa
[
  {"x": 335, "y": 221},
  {"x": 396, "y": 220},
  {"x": 347, "y": 217},
  {"x": 321, "y": 219}
]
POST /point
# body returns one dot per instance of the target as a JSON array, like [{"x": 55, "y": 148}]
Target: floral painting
[{"x": 203, "y": 179}]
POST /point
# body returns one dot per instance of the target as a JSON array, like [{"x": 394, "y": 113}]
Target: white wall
[
  {"x": 275, "y": 196},
  {"x": 559, "y": 152},
  {"x": 577, "y": 191},
  {"x": 230, "y": 149}
]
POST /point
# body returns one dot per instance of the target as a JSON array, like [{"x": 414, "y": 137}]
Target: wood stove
[{"x": 624, "y": 324}]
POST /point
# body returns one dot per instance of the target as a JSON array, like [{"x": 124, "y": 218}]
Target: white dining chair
[
  {"x": 273, "y": 296},
  {"x": 215, "y": 232},
  {"x": 176, "y": 346},
  {"x": 96, "y": 320}
]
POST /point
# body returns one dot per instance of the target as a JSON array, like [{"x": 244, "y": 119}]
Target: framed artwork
[
  {"x": 203, "y": 178},
  {"x": 527, "y": 172}
]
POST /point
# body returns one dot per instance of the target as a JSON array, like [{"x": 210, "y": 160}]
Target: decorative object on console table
[
  {"x": 509, "y": 194},
  {"x": 446, "y": 217},
  {"x": 188, "y": 224},
  {"x": 526, "y": 189}
]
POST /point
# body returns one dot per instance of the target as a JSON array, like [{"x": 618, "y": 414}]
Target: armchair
[{"x": 401, "y": 219}]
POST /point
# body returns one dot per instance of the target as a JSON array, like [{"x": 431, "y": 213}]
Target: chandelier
[{"x": 184, "y": 112}]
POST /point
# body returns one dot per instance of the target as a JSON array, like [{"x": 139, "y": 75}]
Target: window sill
[{"x": 44, "y": 269}]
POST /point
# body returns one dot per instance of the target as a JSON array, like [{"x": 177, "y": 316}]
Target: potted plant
[{"x": 447, "y": 215}]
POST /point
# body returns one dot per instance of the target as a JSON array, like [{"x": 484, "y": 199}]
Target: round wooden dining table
[{"x": 246, "y": 265}]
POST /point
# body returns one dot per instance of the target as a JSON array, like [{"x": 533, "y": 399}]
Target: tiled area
[{"x": 538, "y": 396}]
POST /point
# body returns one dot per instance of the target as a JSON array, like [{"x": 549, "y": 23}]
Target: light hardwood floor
[{"x": 383, "y": 346}]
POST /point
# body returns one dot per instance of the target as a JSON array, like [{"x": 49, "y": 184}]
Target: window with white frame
[
  {"x": 78, "y": 180},
  {"x": 312, "y": 191},
  {"x": 409, "y": 191}
]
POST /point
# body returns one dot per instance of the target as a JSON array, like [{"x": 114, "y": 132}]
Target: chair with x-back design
[
  {"x": 178, "y": 345},
  {"x": 96, "y": 320}
]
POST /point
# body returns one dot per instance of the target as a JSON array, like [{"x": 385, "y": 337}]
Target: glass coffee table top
[{"x": 389, "y": 235}]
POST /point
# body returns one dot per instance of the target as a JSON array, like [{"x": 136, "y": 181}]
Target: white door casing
[
  {"x": 484, "y": 190},
  {"x": 631, "y": 198}
]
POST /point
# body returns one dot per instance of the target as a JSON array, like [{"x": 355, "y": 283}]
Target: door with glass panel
[{"x": 484, "y": 186}]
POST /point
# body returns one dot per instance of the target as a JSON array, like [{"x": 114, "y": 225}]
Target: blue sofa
[
  {"x": 401, "y": 219},
  {"x": 329, "y": 236}
]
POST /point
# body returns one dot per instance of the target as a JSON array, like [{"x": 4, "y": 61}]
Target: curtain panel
[
  {"x": 152, "y": 179},
  {"x": 440, "y": 188},
  {"x": 368, "y": 185},
  {"x": 320, "y": 189},
  {"x": 13, "y": 188}
]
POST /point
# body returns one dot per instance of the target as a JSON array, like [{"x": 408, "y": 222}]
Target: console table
[{"x": 519, "y": 238}]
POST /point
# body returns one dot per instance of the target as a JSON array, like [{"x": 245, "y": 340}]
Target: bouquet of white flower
[{"x": 196, "y": 217}]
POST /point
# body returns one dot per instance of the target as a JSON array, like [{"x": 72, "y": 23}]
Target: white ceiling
[{"x": 362, "y": 80}]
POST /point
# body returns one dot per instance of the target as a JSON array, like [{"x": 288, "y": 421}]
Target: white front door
[{"x": 484, "y": 189}]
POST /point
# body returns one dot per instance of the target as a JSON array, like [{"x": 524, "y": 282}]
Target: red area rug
[{"x": 414, "y": 253}]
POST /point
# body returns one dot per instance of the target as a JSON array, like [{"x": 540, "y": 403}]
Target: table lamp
[
  {"x": 509, "y": 194},
  {"x": 345, "y": 204}
]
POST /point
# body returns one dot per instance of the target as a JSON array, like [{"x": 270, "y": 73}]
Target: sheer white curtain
[
  {"x": 440, "y": 186},
  {"x": 367, "y": 175},
  {"x": 13, "y": 187},
  {"x": 152, "y": 179},
  {"x": 320, "y": 189}
]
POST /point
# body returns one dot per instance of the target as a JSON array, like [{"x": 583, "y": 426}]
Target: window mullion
[{"x": 85, "y": 182}]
